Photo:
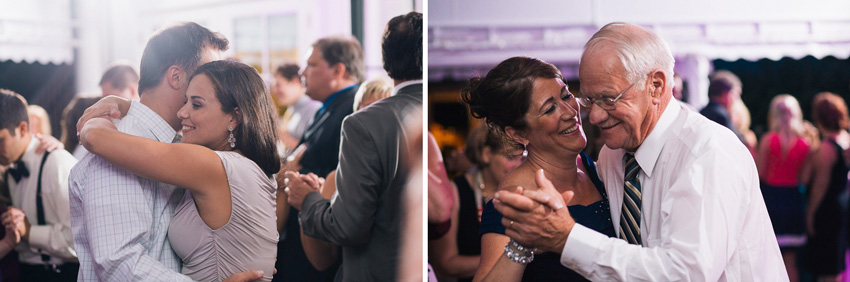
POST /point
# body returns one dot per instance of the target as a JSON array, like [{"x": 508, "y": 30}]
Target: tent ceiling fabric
[
  {"x": 453, "y": 49},
  {"x": 36, "y": 31}
]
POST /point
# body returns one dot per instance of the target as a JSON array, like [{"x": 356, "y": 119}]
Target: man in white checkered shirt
[{"x": 119, "y": 220}]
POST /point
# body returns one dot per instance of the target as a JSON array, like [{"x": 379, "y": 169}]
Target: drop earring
[{"x": 231, "y": 139}]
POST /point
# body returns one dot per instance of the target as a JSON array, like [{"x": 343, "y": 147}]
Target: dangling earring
[
  {"x": 231, "y": 139},
  {"x": 524, "y": 150}
]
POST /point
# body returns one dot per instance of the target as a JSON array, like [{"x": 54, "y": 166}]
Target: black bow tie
[{"x": 20, "y": 170}]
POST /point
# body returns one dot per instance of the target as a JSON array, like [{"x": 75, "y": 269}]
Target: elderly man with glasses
[{"x": 683, "y": 190}]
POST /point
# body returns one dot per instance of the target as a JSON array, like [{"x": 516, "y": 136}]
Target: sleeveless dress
[
  {"x": 248, "y": 241},
  {"x": 782, "y": 192},
  {"x": 824, "y": 252},
  {"x": 468, "y": 241},
  {"x": 547, "y": 266}
]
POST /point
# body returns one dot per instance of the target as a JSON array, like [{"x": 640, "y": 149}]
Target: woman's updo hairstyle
[{"x": 503, "y": 96}]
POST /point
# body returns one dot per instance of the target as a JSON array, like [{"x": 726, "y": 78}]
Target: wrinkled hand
[
  {"x": 12, "y": 236},
  {"x": 110, "y": 107},
  {"x": 47, "y": 143},
  {"x": 249, "y": 275},
  {"x": 298, "y": 187},
  {"x": 536, "y": 219},
  {"x": 16, "y": 219}
]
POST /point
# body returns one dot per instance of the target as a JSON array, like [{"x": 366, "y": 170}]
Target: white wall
[{"x": 118, "y": 29}]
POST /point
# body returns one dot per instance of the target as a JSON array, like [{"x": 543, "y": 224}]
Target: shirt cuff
[
  {"x": 580, "y": 248},
  {"x": 39, "y": 237}
]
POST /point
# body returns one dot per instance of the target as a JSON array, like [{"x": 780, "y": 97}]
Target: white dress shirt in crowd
[
  {"x": 119, "y": 220},
  {"x": 703, "y": 217},
  {"x": 54, "y": 238}
]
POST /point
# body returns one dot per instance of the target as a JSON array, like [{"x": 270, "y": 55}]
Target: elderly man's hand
[
  {"x": 529, "y": 217},
  {"x": 298, "y": 186}
]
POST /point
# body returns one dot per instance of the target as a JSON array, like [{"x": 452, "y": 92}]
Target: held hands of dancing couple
[
  {"x": 536, "y": 218},
  {"x": 297, "y": 186}
]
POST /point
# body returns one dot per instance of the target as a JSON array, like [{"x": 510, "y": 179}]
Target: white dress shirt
[
  {"x": 702, "y": 218},
  {"x": 54, "y": 238},
  {"x": 119, "y": 220}
]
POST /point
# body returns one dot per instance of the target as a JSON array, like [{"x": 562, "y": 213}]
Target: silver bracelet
[
  {"x": 520, "y": 248},
  {"x": 521, "y": 255}
]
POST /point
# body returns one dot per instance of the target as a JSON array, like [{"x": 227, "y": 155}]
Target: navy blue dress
[{"x": 547, "y": 266}]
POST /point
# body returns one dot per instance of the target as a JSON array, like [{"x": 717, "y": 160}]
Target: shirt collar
[
  {"x": 330, "y": 99},
  {"x": 649, "y": 151},
  {"x": 405, "y": 84},
  {"x": 155, "y": 123}
]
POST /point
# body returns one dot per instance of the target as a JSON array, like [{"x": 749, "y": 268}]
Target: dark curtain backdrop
[
  {"x": 803, "y": 79},
  {"x": 49, "y": 86}
]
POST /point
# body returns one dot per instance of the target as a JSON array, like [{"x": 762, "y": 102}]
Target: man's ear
[
  {"x": 175, "y": 77},
  {"x": 486, "y": 154},
  {"x": 515, "y": 135},
  {"x": 658, "y": 85},
  {"x": 22, "y": 128},
  {"x": 339, "y": 70}
]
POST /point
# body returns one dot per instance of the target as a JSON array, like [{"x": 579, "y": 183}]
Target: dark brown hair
[
  {"x": 289, "y": 71},
  {"x": 830, "y": 111},
  {"x": 182, "y": 45},
  {"x": 503, "y": 96},
  {"x": 70, "y": 115},
  {"x": 13, "y": 110},
  {"x": 238, "y": 85},
  {"x": 402, "y": 47}
]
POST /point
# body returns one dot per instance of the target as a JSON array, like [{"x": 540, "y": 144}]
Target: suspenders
[{"x": 39, "y": 205}]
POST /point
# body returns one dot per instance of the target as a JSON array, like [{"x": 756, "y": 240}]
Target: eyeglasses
[{"x": 606, "y": 103}]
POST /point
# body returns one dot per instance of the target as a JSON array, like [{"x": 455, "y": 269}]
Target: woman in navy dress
[{"x": 527, "y": 102}]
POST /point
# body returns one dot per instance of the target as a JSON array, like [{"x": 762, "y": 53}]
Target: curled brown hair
[{"x": 503, "y": 96}]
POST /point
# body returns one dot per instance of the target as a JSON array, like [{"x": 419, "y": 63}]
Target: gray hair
[{"x": 640, "y": 50}]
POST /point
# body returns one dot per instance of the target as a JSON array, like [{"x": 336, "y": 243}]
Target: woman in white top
[{"x": 225, "y": 223}]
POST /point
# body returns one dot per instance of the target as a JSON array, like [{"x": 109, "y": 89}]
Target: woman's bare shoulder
[{"x": 521, "y": 176}]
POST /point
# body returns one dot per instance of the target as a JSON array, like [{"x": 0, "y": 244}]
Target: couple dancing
[
  {"x": 124, "y": 200},
  {"x": 680, "y": 191}
]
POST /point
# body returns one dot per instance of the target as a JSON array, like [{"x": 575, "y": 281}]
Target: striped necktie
[{"x": 630, "y": 217}]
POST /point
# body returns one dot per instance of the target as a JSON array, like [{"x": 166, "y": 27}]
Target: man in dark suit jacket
[
  {"x": 724, "y": 88},
  {"x": 333, "y": 72},
  {"x": 363, "y": 217}
]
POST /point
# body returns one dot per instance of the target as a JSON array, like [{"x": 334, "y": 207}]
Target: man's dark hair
[
  {"x": 119, "y": 76},
  {"x": 289, "y": 71},
  {"x": 722, "y": 82},
  {"x": 13, "y": 110},
  {"x": 345, "y": 50},
  {"x": 180, "y": 44},
  {"x": 402, "y": 47}
]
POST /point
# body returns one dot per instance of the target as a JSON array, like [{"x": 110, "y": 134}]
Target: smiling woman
[{"x": 526, "y": 102}]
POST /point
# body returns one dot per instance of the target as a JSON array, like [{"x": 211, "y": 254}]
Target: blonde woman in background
[
  {"x": 39, "y": 120},
  {"x": 371, "y": 91},
  {"x": 740, "y": 116},
  {"x": 781, "y": 155}
]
